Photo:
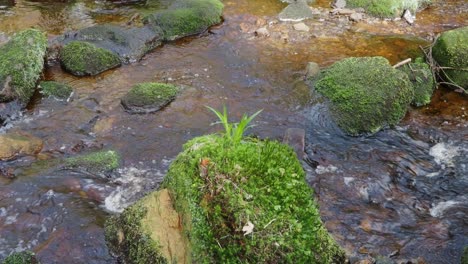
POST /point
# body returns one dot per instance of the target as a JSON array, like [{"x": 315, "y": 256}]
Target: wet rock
[
  {"x": 130, "y": 44},
  {"x": 185, "y": 18},
  {"x": 21, "y": 64},
  {"x": 451, "y": 50},
  {"x": 356, "y": 17},
  {"x": 97, "y": 162},
  {"x": 408, "y": 17},
  {"x": 9, "y": 111},
  {"x": 146, "y": 98},
  {"x": 23, "y": 257},
  {"x": 339, "y": 4},
  {"x": 366, "y": 94},
  {"x": 17, "y": 144},
  {"x": 56, "y": 90},
  {"x": 297, "y": 11},
  {"x": 301, "y": 27},
  {"x": 83, "y": 58},
  {"x": 420, "y": 75},
  {"x": 262, "y": 32},
  {"x": 312, "y": 70}
]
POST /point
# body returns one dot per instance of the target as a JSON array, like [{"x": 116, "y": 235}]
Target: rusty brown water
[{"x": 399, "y": 193}]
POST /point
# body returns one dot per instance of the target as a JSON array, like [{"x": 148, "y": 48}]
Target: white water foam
[{"x": 444, "y": 153}]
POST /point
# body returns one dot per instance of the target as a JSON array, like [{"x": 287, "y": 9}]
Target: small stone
[
  {"x": 262, "y": 32},
  {"x": 312, "y": 70},
  {"x": 344, "y": 11},
  {"x": 301, "y": 27},
  {"x": 339, "y": 4},
  {"x": 408, "y": 17},
  {"x": 356, "y": 17}
]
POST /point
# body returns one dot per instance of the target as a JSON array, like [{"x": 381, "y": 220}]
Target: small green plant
[{"x": 234, "y": 131}]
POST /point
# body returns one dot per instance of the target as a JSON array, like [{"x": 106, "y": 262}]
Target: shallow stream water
[{"x": 400, "y": 193}]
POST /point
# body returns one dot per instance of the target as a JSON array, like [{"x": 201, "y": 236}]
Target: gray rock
[
  {"x": 339, "y": 4},
  {"x": 296, "y": 12},
  {"x": 262, "y": 32},
  {"x": 129, "y": 44},
  {"x": 408, "y": 17},
  {"x": 301, "y": 27},
  {"x": 356, "y": 17},
  {"x": 312, "y": 70}
]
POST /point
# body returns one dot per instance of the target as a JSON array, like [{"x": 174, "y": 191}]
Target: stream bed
[{"x": 400, "y": 194}]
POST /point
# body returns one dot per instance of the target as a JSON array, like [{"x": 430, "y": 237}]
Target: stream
[{"x": 400, "y": 194}]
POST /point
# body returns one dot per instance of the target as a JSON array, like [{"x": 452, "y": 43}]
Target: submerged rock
[
  {"x": 21, "y": 64},
  {"x": 55, "y": 89},
  {"x": 83, "y": 58},
  {"x": 16, "y": 144},
  {"x": 97, "y": 162},
  {"x": 234, "y": 202},
  {"x": 23, "y": 257},
  {"x": 296, "y": 11},
  {"x": 186, "y": 18},
  {"x": 130, "y": 44},
  {"x": 420, "y": 75},
  {"x": 389, "y": 8},
  {"x": 146, "y": 98},
  {"x": 366, "y": 94},
  {"x": 451, "y": 50}
]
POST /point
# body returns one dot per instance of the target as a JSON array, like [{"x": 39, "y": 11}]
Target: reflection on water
[{"x": 400, "y": 192}]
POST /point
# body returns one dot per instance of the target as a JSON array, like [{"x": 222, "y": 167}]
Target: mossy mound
[
  {"x": 451, "y": 50},
  {"x": 148, "y": 97},
  {"x": 21, "y": 64},
  {"x": 97, "y": 162},
  {"x": 389, "y": 8},
  {"x": 55, "y": 89},
  {"x": 23, "y": 257},
  {"x": 245, "y": 202},
  {"x": 420, "y": 75},
  {"x": 83, "y": 58},
  {"x": 185, "y": 18},
  {"x": 366, "y": 94}
]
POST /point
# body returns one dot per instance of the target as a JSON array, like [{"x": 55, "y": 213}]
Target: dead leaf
[{"x": 248, "y": 228}]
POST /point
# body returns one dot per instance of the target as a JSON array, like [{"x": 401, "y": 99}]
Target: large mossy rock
[
  {"x": 366, "y": 94},
  {"x": 185, "y": 18},
  {"x": 420, "y": 75},
  {"x": 83, "y": 58},
  {"x": 130, "y": 44},
  {"x": 245, "y": 202},
  {"x": 145, "y": 98},
  {"x": 451, "y": 50},
  {"x": 389, "y": 8},
  {"x": 57, "y": 90},
  {"x": 21, "y": 64}
]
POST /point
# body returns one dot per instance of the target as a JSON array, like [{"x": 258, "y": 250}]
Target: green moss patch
[
  {"x": 102, "y": 161},
  {"x": 55, "y": 89},
  {"x": 148, "y": 97},
  {"x": 83, "y": 58},
  {"x": 21, "y": 64},
  {"x": 185, "y": 18},
  {"x": 23, "y": 257},
  {"x": 388, "y": 8},
  {"x": 451, "y": 51},
  {"x": 420, "y": 75},
  {"x": 366, "y": 94}
]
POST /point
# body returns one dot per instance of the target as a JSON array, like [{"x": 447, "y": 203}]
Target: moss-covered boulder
[
  {"x": 451, "y": 51},
  {"x": 148, "y": 97},
  {"x": 366, "y": 94},
  {"x": 389, "y": 8},
  {"x": 83, "y": 58},
  {"x": 185, "y": 18},
  {"x": 55, "y": 89},
  {"x": 96, "y": 162},
  {"x": 420, "y": 75},
  {"x": 23, "y": 257},
  {"x": 21, "y": 64},
  {"x": 245, "y": 202}
]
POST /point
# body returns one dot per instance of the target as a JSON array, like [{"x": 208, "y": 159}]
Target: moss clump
[
  {"x": 420, "y": 75},
  {"x": 21, "y": 64},
  {"x": 388, "y": 8},
  {"x": 451, "y": 50},
  {"x": 102, "y": 161},
  {"x": 55, "y": 89},
  {"x": 23, "y": 257},
  {"x": 83, "y": 58},
  {"x": 185, "y": 18},
  {"x": 366, "y": 93},
  {"x": 148, "y": 97}
]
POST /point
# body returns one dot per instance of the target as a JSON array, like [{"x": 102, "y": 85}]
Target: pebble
[
  {"x": 301, "y": 27},
  {"x": 262, "y": 32}
]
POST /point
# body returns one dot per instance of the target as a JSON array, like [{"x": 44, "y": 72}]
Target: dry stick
[{"x": 401, "y": 63}]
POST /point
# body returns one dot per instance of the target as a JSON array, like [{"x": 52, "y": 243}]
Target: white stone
[{"x": 301, "y": 27}]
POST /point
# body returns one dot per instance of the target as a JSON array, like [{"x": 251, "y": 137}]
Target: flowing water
[{"x": 400, "y": 193}]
